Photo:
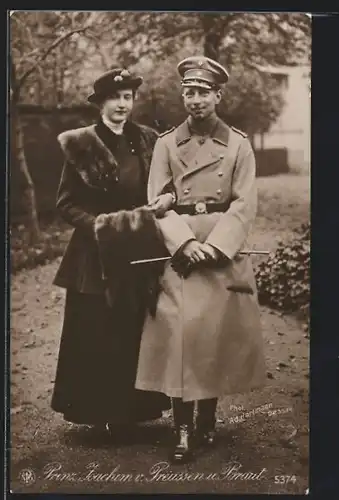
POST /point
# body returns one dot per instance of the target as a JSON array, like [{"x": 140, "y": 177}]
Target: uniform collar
[{"x": 220, "y": 132}]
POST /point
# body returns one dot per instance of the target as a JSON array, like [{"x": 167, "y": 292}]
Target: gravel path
[{"x": 272, "y": 441}]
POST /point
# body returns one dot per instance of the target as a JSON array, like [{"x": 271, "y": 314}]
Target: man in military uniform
[{"x": 205, "y": 340}]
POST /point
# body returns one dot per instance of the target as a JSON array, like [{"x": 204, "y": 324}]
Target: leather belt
[{"x": 200, "y": 208}]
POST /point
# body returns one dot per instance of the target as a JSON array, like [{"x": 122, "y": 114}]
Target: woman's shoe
[{"x": 182, "y": 452}]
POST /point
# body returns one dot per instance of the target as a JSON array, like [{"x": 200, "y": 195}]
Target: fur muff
[{"x": 125, "y": 236}]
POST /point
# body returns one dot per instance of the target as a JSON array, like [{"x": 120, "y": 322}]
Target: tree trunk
[
  {"x": 213, "y": 36},
  {"x": 214, "y": 29},
  {"x": 262, "y": 141},
  {"x": 212, "y": 45},
  {"x": 251, "y": 139},
  {"x": 34, "y": 233}
]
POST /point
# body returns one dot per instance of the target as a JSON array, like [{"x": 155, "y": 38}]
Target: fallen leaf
[
  {"x": 16, "y": 409},
  {"x": 300, "y": 392},
  {"x": 282, "y": 365},
  {"x": 291, "y": 435},
  {"x": 30, "y": 344}
]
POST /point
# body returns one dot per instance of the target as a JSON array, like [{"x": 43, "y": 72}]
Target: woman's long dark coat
[{"x": 100, "y": 344}]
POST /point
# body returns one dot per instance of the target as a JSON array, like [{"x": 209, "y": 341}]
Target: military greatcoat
[{"x": 206, "y": 339}]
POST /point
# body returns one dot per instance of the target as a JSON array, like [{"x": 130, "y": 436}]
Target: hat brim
[
  {"x": 200, "y": 84},
  {"x": 132, "y": 83}
]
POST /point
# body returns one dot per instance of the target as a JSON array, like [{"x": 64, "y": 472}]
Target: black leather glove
[
  {"x": 184, "y": 267},
  {"x": 181, "y": 265}
]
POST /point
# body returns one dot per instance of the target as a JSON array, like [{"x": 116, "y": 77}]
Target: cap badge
[
  {"x": 200, "y": 63},
  {"x": 118, "y": 78}
]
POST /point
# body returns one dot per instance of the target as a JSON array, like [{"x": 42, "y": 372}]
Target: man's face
[
  {"x": 118, "y": 107},
  {"x": 199, "y": 102}
]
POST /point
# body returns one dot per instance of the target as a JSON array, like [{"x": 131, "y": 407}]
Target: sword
[{"x": 159, "y": 259}]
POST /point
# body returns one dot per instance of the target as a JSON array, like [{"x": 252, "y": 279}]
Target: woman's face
[{"x": 118, "y": 106}]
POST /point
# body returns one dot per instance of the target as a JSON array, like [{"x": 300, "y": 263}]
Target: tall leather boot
[
  {"x": 183, "y": 421},
  {"x": 205, "y": 422}
]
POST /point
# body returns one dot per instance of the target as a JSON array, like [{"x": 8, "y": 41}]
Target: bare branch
[
  {"x": 55, "y": 44},
  {"x": 102, "y": 50}
]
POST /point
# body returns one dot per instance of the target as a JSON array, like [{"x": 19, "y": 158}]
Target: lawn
[{"x": 283, "y": 206}]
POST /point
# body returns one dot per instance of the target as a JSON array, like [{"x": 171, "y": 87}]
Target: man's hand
[
  {"x": 161, "y": 204},
  {"x": 194, "y": 252},
  {"x": 187, "y": 257},
  {"x": 211, "y": 252},
  {"x": 194, "y": 255}
]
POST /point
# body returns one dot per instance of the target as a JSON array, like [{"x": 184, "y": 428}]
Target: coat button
[
  {"x": 222, "y": 156},
  {"x": 220, "y": 174},
  {"x": 186, "y": 191},
  {"x": 219, "y": 191}
]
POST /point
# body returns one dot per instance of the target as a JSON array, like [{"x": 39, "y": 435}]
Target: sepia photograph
[{"x": 159, "y": 170}]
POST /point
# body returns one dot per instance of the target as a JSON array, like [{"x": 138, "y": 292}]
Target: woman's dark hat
[{"x": 111, "y": 81}]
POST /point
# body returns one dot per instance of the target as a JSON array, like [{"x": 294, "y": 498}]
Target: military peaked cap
[{"x": 201, "y": 71}]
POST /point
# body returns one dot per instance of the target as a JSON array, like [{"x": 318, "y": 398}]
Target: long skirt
[{"x": 97, "y": 364}]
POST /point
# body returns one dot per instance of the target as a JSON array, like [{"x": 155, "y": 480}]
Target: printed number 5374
[{"x": 284, "y": 479}]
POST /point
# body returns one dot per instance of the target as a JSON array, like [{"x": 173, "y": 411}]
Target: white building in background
[{"x": 293, "y": 128}]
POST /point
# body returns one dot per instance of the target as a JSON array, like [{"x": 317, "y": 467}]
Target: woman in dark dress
[{"x": 105, "y": 170}]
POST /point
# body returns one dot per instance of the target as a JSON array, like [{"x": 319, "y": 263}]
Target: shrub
[
  {"x": 284, "y": 278},
  {"x": 53, "y": 242}
]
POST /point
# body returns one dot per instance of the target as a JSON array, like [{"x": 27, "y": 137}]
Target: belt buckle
[{"x": 200, "y": 207}]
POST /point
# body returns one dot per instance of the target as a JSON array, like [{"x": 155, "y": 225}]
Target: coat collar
[
  {"x": 220, "y": 133},
  {"x": 93, "y": 150}
]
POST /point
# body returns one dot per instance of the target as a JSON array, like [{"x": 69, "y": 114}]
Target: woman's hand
[{"x": 161, "y": 204}]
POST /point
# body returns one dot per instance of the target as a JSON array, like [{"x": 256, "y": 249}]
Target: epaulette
[
  {"x": 239, "y": 131},
  {"x": 166, "y": 132}
]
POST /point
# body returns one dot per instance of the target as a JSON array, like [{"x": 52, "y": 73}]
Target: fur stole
[{"x": 94, "y": 161}]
